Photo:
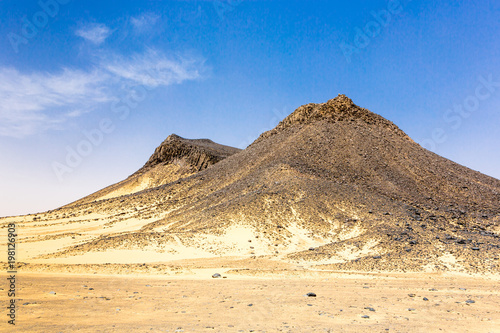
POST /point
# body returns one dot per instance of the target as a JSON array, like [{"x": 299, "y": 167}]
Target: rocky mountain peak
[
  {"x": 173, "y": 137},
  {"x": 338, "y": 109},
  {"x": 197, "y": 153}
]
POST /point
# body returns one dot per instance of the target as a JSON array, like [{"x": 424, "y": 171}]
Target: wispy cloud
[
  {"x": 154, "y": 69},
  {"x": 144, "y": 22},
  {"x": 95, "y": 33},
  {"x": 40, "y": 101},
  {"x": 34, "y": 102}
]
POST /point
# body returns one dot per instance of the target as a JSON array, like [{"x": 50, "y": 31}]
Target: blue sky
[{"x": 88, "y": 89}]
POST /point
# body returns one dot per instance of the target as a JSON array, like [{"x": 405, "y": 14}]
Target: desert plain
[{"x": 272, "y": 298}]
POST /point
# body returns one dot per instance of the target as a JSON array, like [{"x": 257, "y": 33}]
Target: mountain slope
[
  {"x": 332, "y": 185},
  {"x": 175, "y": 158}
]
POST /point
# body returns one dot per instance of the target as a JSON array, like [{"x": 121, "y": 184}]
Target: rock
[
  {"x": 475, "y": 248},
  {"x": 370, "y": 309},
  {"x": 52, "y": 292},
  {"x": 425, "y": 299},
  {"x": 411, "y": 309},
  {"x": 469, "y": 301},
  {"x": 311, "y": 295},
  {"x": 216, "y": 276},
  {"x": 412, "y": 295},
  {"x": 377, "y": 257},
  {"x": 365, "y": 317},
  {"x": 197, "y": 154}
]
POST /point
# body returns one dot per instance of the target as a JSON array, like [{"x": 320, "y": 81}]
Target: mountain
[
  {"x": 333, "y": 186},
  {"x": 175, "y": 158}
]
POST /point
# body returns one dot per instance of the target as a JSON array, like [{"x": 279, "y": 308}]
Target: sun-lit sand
[{"x": 195, "y": 302}]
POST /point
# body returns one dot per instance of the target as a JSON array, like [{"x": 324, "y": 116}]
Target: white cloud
[
  {"x": 35, "y": 102},
  {"x": 154, "y": 69},
  {"x": 95, "y": 33},
  {"x": 144, "y": 22},
  {"x": 38, "y": 101}
]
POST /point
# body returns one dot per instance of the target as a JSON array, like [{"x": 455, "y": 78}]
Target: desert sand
[{"x": 253, "y": 301}]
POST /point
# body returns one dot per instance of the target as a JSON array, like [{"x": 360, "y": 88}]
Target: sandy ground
[{"x": 56, "y": 302}]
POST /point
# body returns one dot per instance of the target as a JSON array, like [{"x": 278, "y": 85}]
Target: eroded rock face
[{"x": 196, "y": 154}]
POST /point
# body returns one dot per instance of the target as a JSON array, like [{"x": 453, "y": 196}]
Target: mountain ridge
[
  {"x": 334, "y": 178},
  {"x": 175, "y": 158}
]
